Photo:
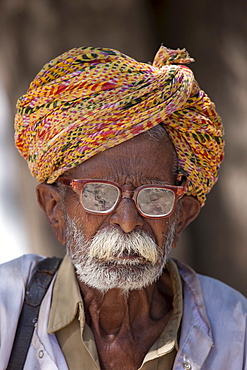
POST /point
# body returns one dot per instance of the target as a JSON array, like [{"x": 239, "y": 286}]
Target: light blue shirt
[{"x": 213, "y": 332}]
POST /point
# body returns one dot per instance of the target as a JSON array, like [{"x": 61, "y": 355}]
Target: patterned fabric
[{"x": 90, "y": 99}]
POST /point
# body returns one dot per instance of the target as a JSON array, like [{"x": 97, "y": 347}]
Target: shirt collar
[
  {"x": 168, "y": 339},
  {"x": 66, "y": 298}
]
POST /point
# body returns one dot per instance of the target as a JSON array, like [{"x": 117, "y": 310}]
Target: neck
[{"x": 115, "y": 311}]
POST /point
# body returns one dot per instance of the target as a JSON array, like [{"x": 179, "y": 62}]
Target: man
[{"x": 125, "y": 153}]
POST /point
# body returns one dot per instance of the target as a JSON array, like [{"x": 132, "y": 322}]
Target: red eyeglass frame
[{"x": 78, "y": 184}]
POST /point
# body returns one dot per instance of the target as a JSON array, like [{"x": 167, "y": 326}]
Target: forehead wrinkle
[
  {"x": 131, "y": 162},
  {"x": 126, "y": 164}
]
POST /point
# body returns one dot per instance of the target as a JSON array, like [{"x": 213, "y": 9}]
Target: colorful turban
[{"x": 90, "y": 99}]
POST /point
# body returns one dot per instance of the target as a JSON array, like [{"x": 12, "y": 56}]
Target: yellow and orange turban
[{"x": 90, "y": 99}]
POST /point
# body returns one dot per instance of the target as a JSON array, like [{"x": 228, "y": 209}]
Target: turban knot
[{"x": 91, "y": 99}]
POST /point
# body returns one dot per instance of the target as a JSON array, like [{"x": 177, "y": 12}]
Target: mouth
[
  {"x": 125, "y": 258},
  {"x": 128, "y": 254}
]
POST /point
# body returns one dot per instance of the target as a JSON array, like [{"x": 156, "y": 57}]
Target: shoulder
[
  {"x": 14, "y": 276},
  {"x": 222, "y": 294},
  {"x": 216, "y": 314},
  {"x": 226, "y": 310},
  {"x": 223, "y": 306},
  {"x": 214, "y": 292},
  {"x": 19, "y": 269}
]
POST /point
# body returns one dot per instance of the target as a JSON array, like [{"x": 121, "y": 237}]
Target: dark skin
[{"x": 120, "y": 322}]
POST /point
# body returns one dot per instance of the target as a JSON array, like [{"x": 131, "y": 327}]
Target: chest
[
  {"x": 126, "y": 351},
  {"x": 120, "y": 355}
]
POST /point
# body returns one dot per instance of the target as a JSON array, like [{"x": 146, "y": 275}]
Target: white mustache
[
  {"x": 96, "y": 261},
  {"x": 109, "y": 244}
]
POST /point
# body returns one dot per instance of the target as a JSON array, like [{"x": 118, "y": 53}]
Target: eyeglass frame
[{"x": 78, "y": 184}]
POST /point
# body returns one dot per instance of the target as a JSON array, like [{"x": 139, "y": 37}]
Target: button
[
  {"x": 186, "y": 365},
  {"x": 41, "y": 353}
]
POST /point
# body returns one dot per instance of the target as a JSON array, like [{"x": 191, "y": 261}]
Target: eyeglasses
[{"x": 102, "y": 197}]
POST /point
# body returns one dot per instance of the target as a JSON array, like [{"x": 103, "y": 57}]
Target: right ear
[{"x": 49, "y": 201}]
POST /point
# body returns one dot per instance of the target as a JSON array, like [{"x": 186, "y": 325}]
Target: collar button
[
  {"x": 186, "y": 365},
  {"x": 41, "y": 354}
]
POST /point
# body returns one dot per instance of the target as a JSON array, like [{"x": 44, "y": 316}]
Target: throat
[
  {"x": 108, "y": 315},
  {"x": 117, "y": 312},
  {"x": 118, "y": 325},
  {"x": 119, "y": 321}
]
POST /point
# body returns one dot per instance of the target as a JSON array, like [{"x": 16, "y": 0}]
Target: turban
[{"x": 90, "y": 99}]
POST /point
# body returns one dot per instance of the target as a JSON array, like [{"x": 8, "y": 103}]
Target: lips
[
  {"x": 128, "y": 254},
  {"x": 125, "y": 258}
]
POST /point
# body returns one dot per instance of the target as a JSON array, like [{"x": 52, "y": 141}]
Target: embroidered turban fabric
[{"x": 90, "y": 99}]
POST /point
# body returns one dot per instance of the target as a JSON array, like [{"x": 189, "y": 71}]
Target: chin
[{"x": 105, "y": 276}]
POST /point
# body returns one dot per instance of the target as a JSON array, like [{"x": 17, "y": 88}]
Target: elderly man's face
[
  {"x": 136, "y": 162},
  {"x": 121, "y": 249},
  {"x": 128, "y": 251}
]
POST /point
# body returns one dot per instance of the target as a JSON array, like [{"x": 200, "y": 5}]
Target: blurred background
[{"x": 32, "y": 32}]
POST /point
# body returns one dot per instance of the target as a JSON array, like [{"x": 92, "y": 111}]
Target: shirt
[
  {"x": 213, "y": 331},
  {"x": 67, "y": 321}
]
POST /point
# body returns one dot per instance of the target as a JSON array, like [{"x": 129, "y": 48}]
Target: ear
[
  {"x": 189, "y": 210},
  {"x": 49, "y": 201}
]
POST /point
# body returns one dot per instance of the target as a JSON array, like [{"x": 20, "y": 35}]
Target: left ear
[{"x": 189, "y": 210}]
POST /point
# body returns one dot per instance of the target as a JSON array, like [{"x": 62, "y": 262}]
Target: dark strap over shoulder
[{"x": 35, "y": 293}]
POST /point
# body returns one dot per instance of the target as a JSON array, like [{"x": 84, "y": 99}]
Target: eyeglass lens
[
  {"x": 155, "y": 201},
  {"x": 98, "y": 197},
  {"x": 102, "y": 198}
]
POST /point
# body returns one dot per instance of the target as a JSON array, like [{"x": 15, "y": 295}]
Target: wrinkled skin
[{"x": 119, "y": 321}]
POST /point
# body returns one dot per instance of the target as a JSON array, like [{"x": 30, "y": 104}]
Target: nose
[{"x": 126, "y": 216}]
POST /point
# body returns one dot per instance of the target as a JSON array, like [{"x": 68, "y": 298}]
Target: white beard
[{"x": 100, "y": 262}]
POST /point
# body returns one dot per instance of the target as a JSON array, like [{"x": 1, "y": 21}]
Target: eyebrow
[
  {"x": 154, "y": 180},
  {"x": 142, "y": 180}
]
